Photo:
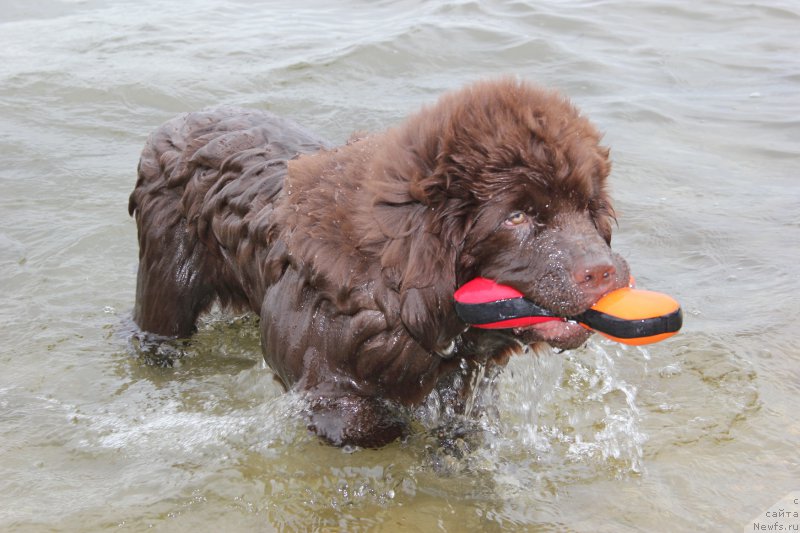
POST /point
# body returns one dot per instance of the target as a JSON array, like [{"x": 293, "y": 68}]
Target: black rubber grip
[
  {"x": 631, "y": 329},
  {"x": 498, "y": 311},
  {"x": 501, "y": 310}
]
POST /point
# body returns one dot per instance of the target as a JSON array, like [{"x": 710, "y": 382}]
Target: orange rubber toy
[{"x": 627, "y": 315}]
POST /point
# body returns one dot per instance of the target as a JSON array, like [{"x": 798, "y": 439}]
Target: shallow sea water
[{"x": 700, "y": 102}]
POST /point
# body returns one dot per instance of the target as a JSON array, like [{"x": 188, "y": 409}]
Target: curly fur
[{"x": 350, "y": 255}]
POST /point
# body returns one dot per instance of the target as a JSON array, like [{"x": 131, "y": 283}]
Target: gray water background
[{"x": 700, "y": 103}]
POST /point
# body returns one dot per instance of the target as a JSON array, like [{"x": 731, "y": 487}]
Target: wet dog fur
[{"x": 350, "y": 254}]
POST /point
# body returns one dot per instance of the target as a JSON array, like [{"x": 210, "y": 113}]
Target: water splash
[
  {"x": 580, "y": 410},
  {"x": 566, "y": 416}
]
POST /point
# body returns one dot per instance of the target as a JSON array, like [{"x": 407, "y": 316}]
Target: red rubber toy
[{"x": 627, "y": 315}]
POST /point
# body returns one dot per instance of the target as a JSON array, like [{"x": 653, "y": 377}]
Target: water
[{"x": 700, "y": 104}]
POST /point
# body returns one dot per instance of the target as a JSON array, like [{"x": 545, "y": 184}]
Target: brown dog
[{"x": 350, "y": 255}]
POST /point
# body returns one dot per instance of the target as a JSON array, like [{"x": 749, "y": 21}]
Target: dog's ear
[
  {"x": 600, "y": 205},
  {"x": 419, "y": 262}
]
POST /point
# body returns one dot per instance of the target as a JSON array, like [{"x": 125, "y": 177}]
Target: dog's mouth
[
  {"x": 558, "y": 333},
  {"x": 557, "y": 329}
]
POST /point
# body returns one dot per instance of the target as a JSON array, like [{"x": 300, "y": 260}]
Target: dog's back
[{"x": 204, "y": 194}]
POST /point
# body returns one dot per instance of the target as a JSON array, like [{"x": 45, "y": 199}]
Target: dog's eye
[{"x": 516, "y": 218}]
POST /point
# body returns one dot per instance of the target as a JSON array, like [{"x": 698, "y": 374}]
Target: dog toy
[{"x": 627, "y": 315}]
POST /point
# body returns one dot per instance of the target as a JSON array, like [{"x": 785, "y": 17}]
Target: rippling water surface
[{"x": 700, "y": 102}]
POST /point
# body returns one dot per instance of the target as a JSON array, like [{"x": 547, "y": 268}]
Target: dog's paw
[
  {"x": 357, "y": 421},
  {"x": 156, "y": 350}
]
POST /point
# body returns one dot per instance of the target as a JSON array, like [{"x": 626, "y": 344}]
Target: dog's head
[{"x": 513, "y": 183}]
